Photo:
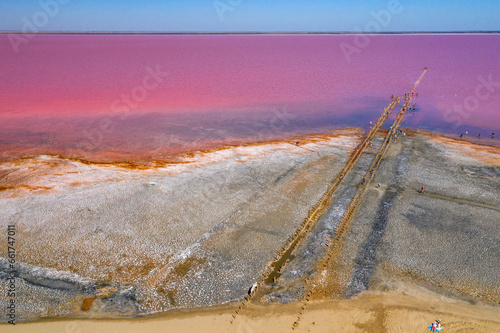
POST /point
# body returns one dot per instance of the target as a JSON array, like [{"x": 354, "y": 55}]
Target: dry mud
[{"x": 446, "y": 239}]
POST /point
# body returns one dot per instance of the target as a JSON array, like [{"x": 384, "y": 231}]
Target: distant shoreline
[
  {"x": 143, "y": 162},
  {"x": 7, "y": 32}
]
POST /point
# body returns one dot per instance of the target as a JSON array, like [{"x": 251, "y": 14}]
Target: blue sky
[{"x": 249, "y": 15}]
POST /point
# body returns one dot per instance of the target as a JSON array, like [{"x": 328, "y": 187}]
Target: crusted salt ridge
[
  {"x": 48, "y": 277},
  {"x": 54, "y": 173}
]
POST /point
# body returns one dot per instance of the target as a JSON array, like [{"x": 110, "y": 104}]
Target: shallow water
[{"x": 132, "y": 97}]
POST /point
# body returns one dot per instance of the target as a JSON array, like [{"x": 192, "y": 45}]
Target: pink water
[{"x": 211, "y": 90}]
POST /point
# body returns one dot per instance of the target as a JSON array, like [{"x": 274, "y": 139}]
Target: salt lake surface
[{"x": 126, "y": 97}]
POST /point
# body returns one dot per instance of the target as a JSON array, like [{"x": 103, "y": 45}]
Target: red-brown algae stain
[{"x": 87, "y": 303}]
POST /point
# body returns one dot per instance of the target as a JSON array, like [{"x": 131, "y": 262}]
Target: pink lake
[{"x": 156, "y": 96}]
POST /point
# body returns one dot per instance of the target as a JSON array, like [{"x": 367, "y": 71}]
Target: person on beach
[
  {"x": 434, "y": 326},
  {"x": 437, "y": 325},
  {"x": 479, "y": 137},
  {"x": 492, "y": 135},
  {"x": 466, "y": 132},
  {"x": 422, "y": 189},
  {"x": 461, "y": 135}
]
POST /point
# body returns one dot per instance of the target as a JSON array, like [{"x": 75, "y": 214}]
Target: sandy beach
[{"x": 408, "y": 310}]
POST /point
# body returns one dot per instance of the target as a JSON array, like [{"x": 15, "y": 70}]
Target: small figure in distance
[
  {"x": 461, "y": 135},
  {"x": 297, "y": 143},
  {"x": 492, "y": 135},
  {"x": 422, "y": 189}
]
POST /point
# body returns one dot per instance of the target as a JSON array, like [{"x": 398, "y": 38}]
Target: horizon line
[{"x": 245, "y": 32}]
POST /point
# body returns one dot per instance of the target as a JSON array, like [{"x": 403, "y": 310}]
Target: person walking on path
[{"x": 422, "y": 189}]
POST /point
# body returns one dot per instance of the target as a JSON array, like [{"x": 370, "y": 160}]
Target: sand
[{"x": 408, "y": 310}]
